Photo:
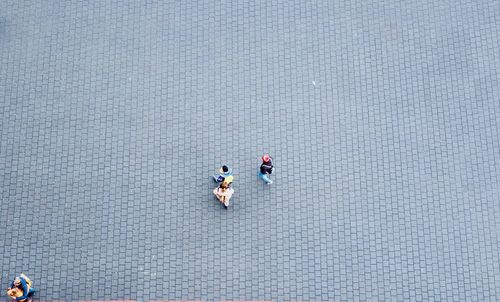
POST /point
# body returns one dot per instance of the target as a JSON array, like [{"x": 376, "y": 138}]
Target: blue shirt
[{"x": 223, "y": 176}]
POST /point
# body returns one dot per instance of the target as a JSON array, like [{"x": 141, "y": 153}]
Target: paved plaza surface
[{"x": 383, "y": 118}]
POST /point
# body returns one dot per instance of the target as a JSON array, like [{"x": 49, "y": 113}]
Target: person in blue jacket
[
  {"x": 21, "y": 288},
  {"x": 224, "y": 172}
]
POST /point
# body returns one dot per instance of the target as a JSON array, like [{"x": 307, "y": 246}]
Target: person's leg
[
  {"x": 31, "y": 292},
  {"x": 265, "y": 178},
  {"x": 261, "y": 176}
]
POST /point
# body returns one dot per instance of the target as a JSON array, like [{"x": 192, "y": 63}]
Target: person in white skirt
[{"x": 224, "y": 193}]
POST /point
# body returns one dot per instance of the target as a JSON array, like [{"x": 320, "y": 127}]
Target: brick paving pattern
[{"x": 382, "y": 116}]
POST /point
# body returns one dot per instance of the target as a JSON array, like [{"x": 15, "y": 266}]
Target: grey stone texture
[{"x": 382, "y": 116}]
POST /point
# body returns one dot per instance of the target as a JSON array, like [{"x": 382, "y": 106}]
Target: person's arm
[
  {"x": 25, "y": 290},
  {"x": 267, "y": 168}
]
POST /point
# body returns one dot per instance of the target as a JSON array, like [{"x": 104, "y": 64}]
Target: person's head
[
  {"x": 17, "y": 281},
  {"x": 266, "y": 158},
  {"x": 224, "y": 169},
  {"x": 224, "y": 186}
]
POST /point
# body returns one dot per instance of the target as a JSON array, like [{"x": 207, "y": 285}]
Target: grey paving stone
[{"x": 382, "y": 116}]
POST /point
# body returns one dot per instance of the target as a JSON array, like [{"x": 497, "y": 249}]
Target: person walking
[
  {"x": 225, "y": 174},
  {"x": 266, "y": 168},
  {"x": 21, "y": 289},
  {"x": 224, "y": 193}
]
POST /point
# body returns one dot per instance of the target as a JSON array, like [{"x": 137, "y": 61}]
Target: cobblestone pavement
[{"x": 383, "y": 118}]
